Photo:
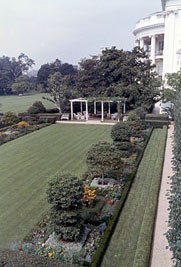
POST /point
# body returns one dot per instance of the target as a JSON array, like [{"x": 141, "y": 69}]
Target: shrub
[
  {"x": 9, "y": 118},
  {"x": 140, "y": 112},
  {"x": 39, "y": 105},
  {"x": 103, "y": 157},
  {"x": 121, "y": 131},
  {"x": 65, "y": 193},
  {"x": 33, "y": 110}
]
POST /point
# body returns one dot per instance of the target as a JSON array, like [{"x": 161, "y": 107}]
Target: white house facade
[{"x": 160, "y": 35}]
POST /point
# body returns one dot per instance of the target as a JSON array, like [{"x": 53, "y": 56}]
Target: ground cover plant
[
  {"x": 19, "y": 104},
  {"x": 26, "y": 164},
  {"x": 131, "y": 241}
]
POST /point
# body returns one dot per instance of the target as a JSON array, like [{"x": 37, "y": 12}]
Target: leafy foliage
[
  {"x": 121, "y": 131},
  {"x": 11, "y": 69},
  {"x": 22, "y": 85},
  {"x": 119, "y": 73},
  {"x": 104, "y": 157},
  {"x": 65, "y": 193},
  {"x": 174, "y": 232},
  {"x": 9, "y": 118}
]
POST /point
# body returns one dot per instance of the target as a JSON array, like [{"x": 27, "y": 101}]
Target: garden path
[{"x": 161, "y": 257}]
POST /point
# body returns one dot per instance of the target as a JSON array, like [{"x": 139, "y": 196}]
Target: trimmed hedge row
[
  {"x": 156, "y": 123},
  {"x": 161, "y": 117},
  {"x": 103, "y": 244}
]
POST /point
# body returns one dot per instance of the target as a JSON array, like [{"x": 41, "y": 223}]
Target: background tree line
[{"x": 114, "y": 73}]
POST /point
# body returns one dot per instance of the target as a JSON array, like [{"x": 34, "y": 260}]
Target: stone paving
[{"x": 161, "y": 257}]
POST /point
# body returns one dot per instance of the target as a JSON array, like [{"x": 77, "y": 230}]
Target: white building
[{"x": 160, "y": 35}]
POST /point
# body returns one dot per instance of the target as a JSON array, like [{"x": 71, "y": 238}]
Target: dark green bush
[
  {"x": 141, "y": 112},
  {"x": 121, "y": 131},
  {"x": 65, "y": 193},
  {"x": 52, "y": 110},
  {"x": 33, "y": 110},
  {"x": 40, "y": 106}
]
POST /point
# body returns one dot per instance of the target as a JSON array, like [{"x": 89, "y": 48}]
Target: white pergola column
[
  {"x": 102, "y": 110},
  {"x": 86, "y": 105},
  {"x": 124, "y": 108},
  {"x": 141, "y": 43},
  {"x": 153, "y": 48},
  {"x": 109, "y": 109},
  {"x": 72, "y": 115},
  {"x": 94, "y": 107},
  {"x": 81, "y": 107}
]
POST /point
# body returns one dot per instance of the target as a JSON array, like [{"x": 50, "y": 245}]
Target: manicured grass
[
  {"x": 19, "y": 104},
  {"x": 26, "y": 164},
  {"x": 131, "y": 242}
]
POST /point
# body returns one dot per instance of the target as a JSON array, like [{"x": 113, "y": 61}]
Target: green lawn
[
  {"x": 19, "y": 104},
  {"x": 131, "y": 242},
  {"x": 27, "y": 162}
]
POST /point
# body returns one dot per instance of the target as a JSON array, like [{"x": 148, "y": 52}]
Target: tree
[
  {"x": 173, "y": 80},
  {"x": 50, "y": 68},
  {"x": 120, "y": 73},
  {"x": 103, "y": 157},
  {"x": 59, "y": 89},
  {"x": 22, "y": 85},
  {"x": 11, "y": 69}
]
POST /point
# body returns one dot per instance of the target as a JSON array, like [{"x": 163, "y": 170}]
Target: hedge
[
  {"x": 174, "y": 232},
  {"x": 103, "y": 244},
  {"x": 161, "y": 117},
  {"x": 156, "y": 123}
]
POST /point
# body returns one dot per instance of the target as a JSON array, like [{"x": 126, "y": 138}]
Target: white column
[
  {"x": 102, "y": 110},
  {"x": 124, "y": 108},
  {"x": 153, "y": 48},
  {"x": 72, "y": 115},
  {"x": 109, "y": 109},
  {"x": 86, "y": 110},
  {"x": 141, "y": 43},
  {"x": 81, "y": 107},
  {"x": 94, "y": 107}
]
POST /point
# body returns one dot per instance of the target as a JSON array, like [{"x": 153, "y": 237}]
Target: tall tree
[
  {"x": 50, "y": 68},
  {"x": 58, "y": 88},
  {"x": 11, "y": 69},
  {"x": 119, "y": 73}
]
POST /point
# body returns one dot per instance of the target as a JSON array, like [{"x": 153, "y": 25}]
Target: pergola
[{"x": 101, "y": 100}]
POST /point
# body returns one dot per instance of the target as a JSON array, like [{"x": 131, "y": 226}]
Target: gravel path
[{"x": 161, "y": 257}]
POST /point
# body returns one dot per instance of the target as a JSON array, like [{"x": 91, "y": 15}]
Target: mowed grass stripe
[
  {"x": 123, "y": 245},
  {"x": 27, "y": 162}
]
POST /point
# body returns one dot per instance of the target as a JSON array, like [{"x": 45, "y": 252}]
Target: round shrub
[
  {"x": 121, "y": 131},
  {"x": 33, "y": 110},
  {"x": 9, "y": 118},
  {"x": 65, "y": 191},
  {"x": 39, "y": 105}
]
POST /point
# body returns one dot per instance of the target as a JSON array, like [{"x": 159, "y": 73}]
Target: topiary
[
  {"x": 65, "y": 193},
  {"x": 103, "y": 157},
  {"x": 40, "y": 106},
  {"x": 121, "y": 131},
  {"x": 33, "y": 110}
]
